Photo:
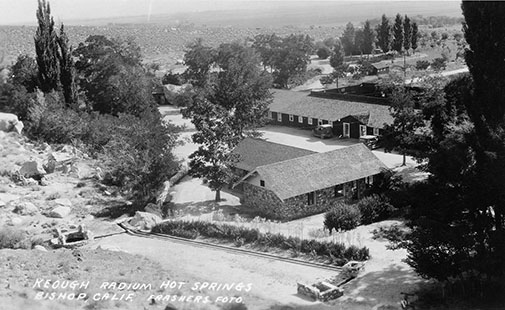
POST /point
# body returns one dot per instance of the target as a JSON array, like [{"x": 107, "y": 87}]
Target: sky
[{"x": 15, "y": 12}]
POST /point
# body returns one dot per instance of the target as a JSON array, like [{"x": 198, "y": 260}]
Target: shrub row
[{"x": 339, "y": 252}]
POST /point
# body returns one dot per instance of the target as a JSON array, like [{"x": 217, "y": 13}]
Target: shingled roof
[
  {"x": 309, "y": 173},
  {"x": 301, "y": 104},
  {"x": 257, "y": 152}
]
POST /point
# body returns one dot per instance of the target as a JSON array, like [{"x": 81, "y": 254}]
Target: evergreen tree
[
  {"x": 397, "y": 34},
  {"x": 359, "y": 40},
  {"x": 415, "y": 36},
  {"x": 68, "y": 72},
  {"x": 384, "y": 34},
  {"x": 46, "y": 48},
  {"x": 407, "y": 34},
  {"x": 368, "y": 38},
  {"x": 347, "y": 39},
  {"x": 483, "y": 30}
]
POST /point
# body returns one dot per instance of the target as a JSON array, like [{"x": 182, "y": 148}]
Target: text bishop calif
[{"x": 117, "y": 291}]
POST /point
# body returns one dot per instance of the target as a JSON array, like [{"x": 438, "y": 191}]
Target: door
[{"x": 347, "y": 129}]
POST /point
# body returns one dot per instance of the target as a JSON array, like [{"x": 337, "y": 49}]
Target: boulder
[
  {"x": 8, "y": 122},
  {"x": 40, "y": 248},
  {"x": 60, "y": 212},
  {"x": 145, "y": 220},
  {"x": 16, "y": 221},
  {"x": 24, "y": 208},
  {"x": 2, "y": 204},
  {"x": 63, "y": 202},
  {"x": 32, "y": 169}
]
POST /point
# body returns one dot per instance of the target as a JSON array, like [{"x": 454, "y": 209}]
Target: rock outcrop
[{"x": 145, "y": 220}]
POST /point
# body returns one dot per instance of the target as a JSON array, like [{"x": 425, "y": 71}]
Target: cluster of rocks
[{"x": 35, "y": 170}]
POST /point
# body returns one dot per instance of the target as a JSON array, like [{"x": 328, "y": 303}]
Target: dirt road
[{"x": 272, "y": 282}]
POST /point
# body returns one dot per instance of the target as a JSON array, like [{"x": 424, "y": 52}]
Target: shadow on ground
[{"x": 373, "y": 290}]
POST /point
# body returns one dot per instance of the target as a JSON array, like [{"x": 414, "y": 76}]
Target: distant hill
[{"x": 284, "y": 13}]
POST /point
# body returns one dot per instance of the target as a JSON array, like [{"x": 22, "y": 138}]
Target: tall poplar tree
[
  {"x": 384, "y": 34},
  {"x": 415, "y": 36},
  {"x": 347, "y": 39},
  {"x": 407, "y": 34},
  {"x": 46, "y": 48},
  {"x": 368, "y": 38},
  {"x": 68, "y": 72},
  {"x": 397, "y": 34}
]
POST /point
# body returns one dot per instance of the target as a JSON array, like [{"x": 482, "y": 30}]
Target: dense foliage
[
  {"x": 114, "y": 119},
  {"x": 374, "y": 208},
  {"x": 342, "y": 217},
  {"x": 337, "y": 251}
]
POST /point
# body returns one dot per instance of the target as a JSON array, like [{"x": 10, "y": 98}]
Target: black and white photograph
[{"x": 252, "y": 154}]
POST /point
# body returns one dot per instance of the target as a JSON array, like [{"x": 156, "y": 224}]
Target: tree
[
  {"x": 68, "y": 72},
  {"x": 323, "y": 52},
  {"x": 397, "y": 34},
  {"x": 290, "y": 60},
  {"x": 266, "y": 46},
  {"x": 24, "y": 72},
  {"x": 401, "y": 134},
  {"x": 457, "y": 218},
  {"x": 231, "y": 107},
  {"x": 337, "y": 62},
  {"x": 46, "y": 48},
  {"x": 368, "y": 38},
  {"x": 407, "y": 34},
  {"x": 359, "y": 39},
  {"x": 415, "y": 36},
  {"x": 112, "y": 76},
  {"x": 198, "y": 59},
  {"x": 384, "y": 34},
  {"x": 348, "y": 38},
  {"x": 216, "y": 140}
]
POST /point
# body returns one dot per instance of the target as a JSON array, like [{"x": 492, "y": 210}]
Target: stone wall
[
  {"x": 270, "y": 206},
  {"x": 261, "y": 199}
]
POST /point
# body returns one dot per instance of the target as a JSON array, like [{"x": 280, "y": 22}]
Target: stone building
[{"x": 310, "y": 184}]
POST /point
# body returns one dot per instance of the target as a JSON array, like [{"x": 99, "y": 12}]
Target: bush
[
  {"x": 374, "y": 208},
  {"x": 422, "y": 64},
  {"x": 10, "y": 238},
  {"x": 323, "y": 52},
  {"x": 243, "y": 235},
  {"x": 438, "y": 64},
  {"x": 342, "y": 217}
]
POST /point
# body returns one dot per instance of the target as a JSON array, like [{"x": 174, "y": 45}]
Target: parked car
[
  {"x": 323, "y": 131},
  {"x": 370, "y": 141}
]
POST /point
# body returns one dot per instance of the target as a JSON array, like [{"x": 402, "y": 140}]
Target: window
[
  {"x": 279, "y": 117},
  {"x": 262, "y": 183},
  {"x": 311, "y": 198},
  {"x": 291, "y": 117},
  {"x": 272, "y": 115},
  {"x": 319, "y": 122},
  {"x": 309, "y": 120},
  {"x": 376, "y": 131},
  {"x": 339, "y": 190},
  {"x": 300, "y": 119},
  {"x": 362, "y": 130}
]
